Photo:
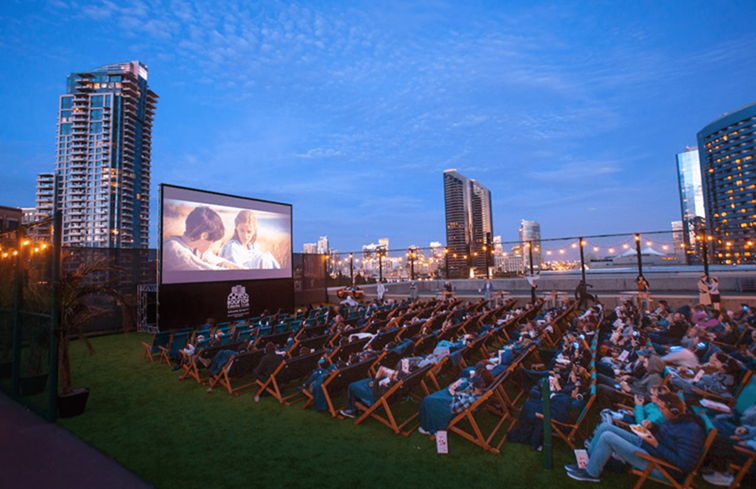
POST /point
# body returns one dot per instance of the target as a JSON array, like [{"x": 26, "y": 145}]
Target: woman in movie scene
[{"x": 242, "y": 250}]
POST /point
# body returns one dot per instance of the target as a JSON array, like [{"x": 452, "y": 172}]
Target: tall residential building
[
  {"x": 45, "y": 204},
  {"x": 727, "y": 147},
  {"x": 323, "y": 245},
  {"x": 530, "y": 236},
  {"x": 692, "y": 207},
  {"x": 678, "y": 240},
  {"x": 310, "y": 248},
  {"x": 103, "y": 162},
  {"x": 469, "y": 224}
]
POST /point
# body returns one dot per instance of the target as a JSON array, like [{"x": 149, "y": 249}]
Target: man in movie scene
[
  {"x": 242, "y": 250},
  {"x": 191, "y": 251}
]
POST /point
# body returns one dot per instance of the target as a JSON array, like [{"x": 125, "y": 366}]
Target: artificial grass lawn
[{"x": 174, "y": 434}]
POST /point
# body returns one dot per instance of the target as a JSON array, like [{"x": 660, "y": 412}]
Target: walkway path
[{"x": 37, "y": 454}]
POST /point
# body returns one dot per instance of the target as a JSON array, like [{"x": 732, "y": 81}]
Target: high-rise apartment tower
[
  {"x": 103, "y": 163},
  {"x": 469, "y": 224},
  {"x": 727, "y": 150}
]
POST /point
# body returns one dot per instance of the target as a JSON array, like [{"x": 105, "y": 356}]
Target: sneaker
[
  {"x": 571, "y": 467},
  {"x": 582, "y": 475},
  {"x": 349, "y": 413},
  {"x": 718, "y": 478},
  {"x": 421, "y": 430}
]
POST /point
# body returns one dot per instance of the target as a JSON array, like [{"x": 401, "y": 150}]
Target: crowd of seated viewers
[{"x": 648, "y": 369}]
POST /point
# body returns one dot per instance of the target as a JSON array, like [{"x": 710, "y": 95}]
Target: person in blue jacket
[{"x": 678, "y": 441}]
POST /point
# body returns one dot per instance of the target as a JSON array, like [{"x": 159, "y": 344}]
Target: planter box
[{"x": 73, "y": 404}]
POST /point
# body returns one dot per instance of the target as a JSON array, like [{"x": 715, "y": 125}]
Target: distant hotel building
[
  {"x": 469, "y": 224},
  {"x": 692, "y": 207},
  {"x": 727, "y": 147},
  {"x": 103, "y": 163},
  {"x": 530, "y": 235},
  {"x": 323, "y": 245},
  {"x": 310, "y": 248}
]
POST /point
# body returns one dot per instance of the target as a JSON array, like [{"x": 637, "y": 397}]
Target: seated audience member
[
  {"x": 437, "y": 409},
  {"x": 565, "y": 404},
  {"x": 367, "y": 391},
  {"x": 678, "y": 441},
  {"x": 717, "y": 376},
  {"x": 268, "y": 363}
]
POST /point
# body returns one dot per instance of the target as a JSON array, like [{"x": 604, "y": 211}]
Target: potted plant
[{"x": 79, "y": 295}]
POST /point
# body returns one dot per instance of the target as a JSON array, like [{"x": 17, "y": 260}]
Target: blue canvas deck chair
[{"x": 160, "y": 339}]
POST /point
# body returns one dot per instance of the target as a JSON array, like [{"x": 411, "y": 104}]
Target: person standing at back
[{"x": 703, "y": 291}]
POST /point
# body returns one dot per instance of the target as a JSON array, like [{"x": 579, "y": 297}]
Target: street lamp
[
  {"x": 351, "y": 268},
  {"x": 638, "y": 252}
]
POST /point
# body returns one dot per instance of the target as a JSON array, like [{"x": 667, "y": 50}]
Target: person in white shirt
[
  {"x": 242, "y": 250},
  {"x": 191, "y": 251},
  {"x": 380, "y": 290}
]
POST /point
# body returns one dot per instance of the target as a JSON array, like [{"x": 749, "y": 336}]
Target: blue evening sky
[{"x": 570, "y": 112}]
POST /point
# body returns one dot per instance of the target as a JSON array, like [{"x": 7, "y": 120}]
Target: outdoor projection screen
[{"x": 211, "y": 237}]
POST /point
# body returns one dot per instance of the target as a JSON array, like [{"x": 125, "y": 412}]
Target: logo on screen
[{"x": 238, "y": 301}]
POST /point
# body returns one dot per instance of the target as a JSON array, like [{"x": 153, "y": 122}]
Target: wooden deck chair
[
  {"x": 171, "y": 352},
  {"x": 411, "y": 330},
  {"x": 191, "y": 365},
  {"x": 159, "y": 339},
  {"x": 289, "y": 370},
  {"x": 745, "y": 380},
  {"x": 313, "y": 343},
  {"x": 278, "y": 339},
  {"x": 382, "y": 339},
  {"x": 425, "y": 344},
  {"x": 466, "y": 425},
  {"x": 742, "y": 469},
  {"x": 381, "y": 408},
  {"x": 509, "y": 398},
  {"x": 568, "y": 431},
  {"x": 665, "y": 468},
  {"x": 237, "y": 367},
  {"x": 342, "y": 352},
  {"x": 201, "y": 355},
  {"x": 338, "y": 381},
  {"x": 439, "y": 369}
]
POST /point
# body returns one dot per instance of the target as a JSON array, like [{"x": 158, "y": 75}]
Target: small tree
[{"x": 78, "y": 295}]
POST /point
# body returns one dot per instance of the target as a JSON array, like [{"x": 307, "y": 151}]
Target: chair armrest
[
  {"x": 708, "y": 394},
  {"x": 744, "y": 450},
  {"x": 655, "y": 460}
]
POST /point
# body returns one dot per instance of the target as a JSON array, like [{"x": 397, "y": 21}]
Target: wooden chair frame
[
  {"x": 401, "y": 388},
  {"x": 665, "y": 468}
]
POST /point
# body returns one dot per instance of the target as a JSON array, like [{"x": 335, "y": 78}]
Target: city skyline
[{"x": 350, "y": 112}]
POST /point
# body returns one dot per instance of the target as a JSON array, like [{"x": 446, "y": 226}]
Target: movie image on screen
[{"x": 210, "y": 237}]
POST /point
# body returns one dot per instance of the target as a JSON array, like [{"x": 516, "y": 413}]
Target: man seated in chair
[
  {"x": 367, "y": 391},
  {"x": 678, "y": 441},
  {"x": 438, "y": 409},
  {"x": 268, "y": 363}
]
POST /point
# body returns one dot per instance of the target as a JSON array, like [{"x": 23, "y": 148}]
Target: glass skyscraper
[
  {"x": 469, "y": 223},
  {"x": 103, "y": 158},
  {"x": 692, "y": 207},
  {"x": 727, "y": 147},
  {"x": 530, "y": 235}
]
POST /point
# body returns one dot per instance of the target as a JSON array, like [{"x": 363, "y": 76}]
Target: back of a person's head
[
  {"x": 270, "y": 347},
  {"x": 204, "y": 220}
]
